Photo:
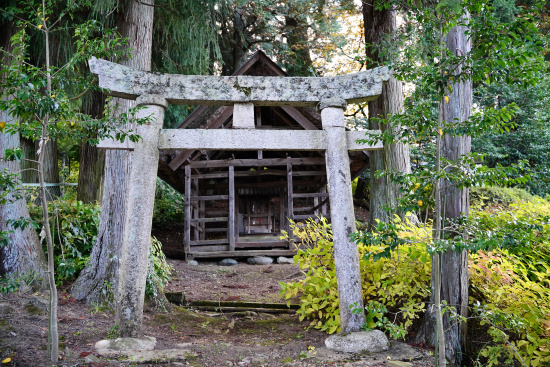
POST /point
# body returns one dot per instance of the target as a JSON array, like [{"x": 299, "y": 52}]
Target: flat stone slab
[
  {"x": 373, "y": 341},
  {"x": 398, "y": 352},
  {"x": 152, "y": 356},
  {"x": 118, "y": 345}
]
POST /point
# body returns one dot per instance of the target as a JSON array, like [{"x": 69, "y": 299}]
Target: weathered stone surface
[
  {"x": 398, "y": 364},
  {"x": 373, "y": 341},
  {"x": 260, "y": 260},
  {"x": 90, "y": 358},
  {"x": 126, "y": 82},
  {"x": 346, "y": 254},
  {"x": 285, "y": 260},
  {"x": 228, "y": 262},
  {"x": 149, "y": 356},
  {"x": 40, "y": 304},
  {"x": 193, "y": 262},
  {"x": 125, "y": 344},
  {"x": 244, "y": 139},
  {"x": 137, "y": 235},
  {"x": 243, "y": 116}
]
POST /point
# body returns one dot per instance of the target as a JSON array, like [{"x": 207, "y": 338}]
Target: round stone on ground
[
  {"x": 373, "y": 341},
  {"x": 228, "y": 262},
  {"x": 260, "y": 260},
  {"x": 193, "y": 262},
  {"x": 285, "y": 260}
]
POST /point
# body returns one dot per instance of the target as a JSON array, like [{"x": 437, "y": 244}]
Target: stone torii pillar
[
  {"x": 346, "y": 254},
  {"x": 137, "y": 231}
]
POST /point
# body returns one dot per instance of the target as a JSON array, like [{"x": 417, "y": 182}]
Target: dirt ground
[{"x": 213, "y": 338}]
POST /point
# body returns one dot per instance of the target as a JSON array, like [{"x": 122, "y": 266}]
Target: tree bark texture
[
  {"x": 98, "y": 282},
  {"x": 92, "y": 160},
  {"x": 393, "y": 157},
  {"x": 455, "y": 202},
  {"x": 24, "y": 253},
  {"x": 28, "y": 164}
]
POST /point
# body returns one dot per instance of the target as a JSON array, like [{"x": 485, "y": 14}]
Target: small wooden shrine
[{"x": 239, "y": 201}]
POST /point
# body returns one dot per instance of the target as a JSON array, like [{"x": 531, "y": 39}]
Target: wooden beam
[
  {"x": 220, "y": 241},
  {"x": 242, "y": 253},
  {"x": 209, "y": 220},
  {"x": 262, "y": 244},
  {"x": 311, "y": 195},
  {"x": 126, "y": 82},
  {"x": 299, "y": 118},
  {"x": 209, "y": 197},
  {"x": 266, "y": 162}
]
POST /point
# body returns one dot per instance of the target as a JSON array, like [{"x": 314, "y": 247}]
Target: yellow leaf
[
  {"x": 440, "y": 132},
  {"x": 446, "y": 99},
  {"x": 2, "y": 124},
  {"x": 7, "y": 360},
  {"x": 72, "y": 123},
  {"x": 53, "y": 95},
  {"x": 419, "y": 202},
  {"x": 40, "y": 26}
]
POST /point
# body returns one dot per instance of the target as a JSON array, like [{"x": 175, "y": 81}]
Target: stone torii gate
[{"x": 155, "y": 91}]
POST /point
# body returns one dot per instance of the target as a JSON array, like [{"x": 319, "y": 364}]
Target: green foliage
[
  {"x": 158, "y": 271},
  {"x": 398, "y": 284},
  {"x": 74, "y": 230},
  {"x": 495, "y": 195},
  {"x": 11, "y": 282},
  {"x": 169, "y": 209},
  {"x": 511, "y": 287}
]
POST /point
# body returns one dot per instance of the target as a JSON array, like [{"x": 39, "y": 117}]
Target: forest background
[{"x": 306, "y": 38}]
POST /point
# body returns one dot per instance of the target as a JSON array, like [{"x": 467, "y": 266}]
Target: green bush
[
  {"x": 512, "y": 285},
  {"x": 158, "y": 271},
  {"x": 504, "y": 196},
  {"x": 399, "y": 284},
  {"x": 74, "y": 231},
  {"x": 169, "y": 209}
]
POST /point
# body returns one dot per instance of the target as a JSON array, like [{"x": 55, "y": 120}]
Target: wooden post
[
  {"x": 290, "y": 194},
  {"x": 231, "y": 219},
  {"x": 324, "y": 206},
  {"x": 187, "y": 226}
]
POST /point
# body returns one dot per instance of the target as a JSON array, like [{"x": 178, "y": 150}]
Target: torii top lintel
[{"x": 129, "y": 83}]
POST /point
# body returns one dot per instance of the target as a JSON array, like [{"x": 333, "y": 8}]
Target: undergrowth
[
  {"x": 399, "y": 284},
  {"x": 510, "y": 285}
]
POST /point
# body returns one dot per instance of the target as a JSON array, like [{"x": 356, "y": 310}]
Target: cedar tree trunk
[
  {"x": 394, "y": 157},
  {"x": 454, "y": 265},
  {"x": 97, "y": 283},
  {"x": 24, "y": 254}
]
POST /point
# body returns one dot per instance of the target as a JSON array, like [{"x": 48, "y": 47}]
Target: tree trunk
[
  {"x": 98, "y": 281},
  {"x": 24, "y": 254},
  {"x": 393, "y": 157},
  {"x": 300, "y": 63},
  {"x": 29, "y": 173},
  {"x": 51, "y": 170},
  {"x": 92, "y": 160},
  {"x": 455, "y": 202}
]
